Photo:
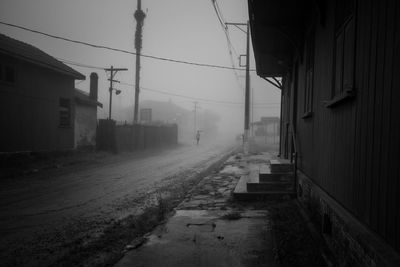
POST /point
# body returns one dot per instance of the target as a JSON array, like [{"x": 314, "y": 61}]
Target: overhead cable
[{"x": 121, "y": 50}]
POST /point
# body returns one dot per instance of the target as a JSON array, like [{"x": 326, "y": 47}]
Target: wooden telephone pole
[
  {"x": 113, "y": 71},
  {"x": 247, "y": 94},
  {"x": 247, "y": 89},
  {"x": 139, "y": 16}
]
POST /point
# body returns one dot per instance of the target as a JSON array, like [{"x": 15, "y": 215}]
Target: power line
[
  {"x": 228, "y": 39},
  {"x": 163, "y": 92},
  {"x": 196, "y": 98},
  {"x": 79, "y": 64},
  {"x": 184, "y": 96},
  {"x": 239, "y": 106},
  {"x": 120, "y": 50}
]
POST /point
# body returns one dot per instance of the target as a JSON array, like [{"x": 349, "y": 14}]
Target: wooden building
[
  {"x": 36, "y": 99},
  {"x": 340, "y": 66}
]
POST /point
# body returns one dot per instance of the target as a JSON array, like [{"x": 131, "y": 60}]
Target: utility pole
[
  {"x": 195, "y": 118},
  {"x": 247, "y": 94},
  {"x": 139, "y": 16},
  {"x": 113, "y": 71},
  {"x": 247, "y": 89},
  {"x": 252, "y": 111}
]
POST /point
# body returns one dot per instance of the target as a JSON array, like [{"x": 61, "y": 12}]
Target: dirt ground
[
  {"x": 82, "y": 211},
  {"x": 207, "y": 188}
]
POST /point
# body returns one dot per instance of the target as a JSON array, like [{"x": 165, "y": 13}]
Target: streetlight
[
  {"x": 113, "y": 71},
  {"x": 117, "y": 92}
]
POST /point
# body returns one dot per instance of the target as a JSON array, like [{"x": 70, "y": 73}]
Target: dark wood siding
[
  {"x": 29, "y": 109},
  {"x": 352, "y": 150}
]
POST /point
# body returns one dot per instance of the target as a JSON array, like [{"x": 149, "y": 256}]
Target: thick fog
[{"x": 186, "y": 30}]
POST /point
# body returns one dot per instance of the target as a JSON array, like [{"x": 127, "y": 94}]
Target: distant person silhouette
[{"x": 198, "y": 137}]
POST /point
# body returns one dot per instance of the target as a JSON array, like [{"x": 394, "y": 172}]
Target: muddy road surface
[{"x": 41, "y": 216}]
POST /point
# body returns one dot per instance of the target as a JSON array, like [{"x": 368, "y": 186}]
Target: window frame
[
  {"x": 3, "y": 74},
  {"x": 345, "y": 28},
  {"x": 65, "y": 112},
  {"x": 309, "y": 64}
]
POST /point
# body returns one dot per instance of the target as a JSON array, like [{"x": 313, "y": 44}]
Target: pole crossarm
[
  {"x": 115, "y": 69},
  {"x": 237, "y": 26},
  {"x": 234, "y": 23}
]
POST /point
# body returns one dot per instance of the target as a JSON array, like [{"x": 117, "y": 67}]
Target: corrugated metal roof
[{"x": 27, "y": 52}]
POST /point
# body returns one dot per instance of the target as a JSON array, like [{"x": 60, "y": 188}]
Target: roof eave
[
  {"x": 75, "y": 74},
  {"x": 277, "y": 38}
]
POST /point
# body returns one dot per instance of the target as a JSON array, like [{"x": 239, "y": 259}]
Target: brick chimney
[{"x": 93, "y": 85}]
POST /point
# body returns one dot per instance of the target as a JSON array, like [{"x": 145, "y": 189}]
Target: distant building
[
  {"x": 266, "y": 126},
  {"x": 36, "y": 99},
  {"x": 86, "y": 115}
]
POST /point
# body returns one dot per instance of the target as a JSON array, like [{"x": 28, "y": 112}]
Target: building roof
[
  {"x": 83, "y": 98},
  {"x": 277, "y": 32},
  {"x": 29, "y": 53}
]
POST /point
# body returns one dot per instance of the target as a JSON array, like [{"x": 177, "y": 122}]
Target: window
[
  {"x": 65, "y": 112},
  {"x": 344, "y": 48},
  {"x": 309, "y": 66},
  {"x": 7, "y": 74}
]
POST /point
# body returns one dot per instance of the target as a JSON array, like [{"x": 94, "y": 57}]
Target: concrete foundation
[{"x": 352, "y": 242}]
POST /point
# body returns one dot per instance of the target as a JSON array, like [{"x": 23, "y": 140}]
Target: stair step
[
  {"x": 274, "y": 192},
  {"x": 275, "y": 177},
  {"x": 281, "y": 166},
  {"x": 258, "y": 196},
  {"x": 269, "y": 186}
]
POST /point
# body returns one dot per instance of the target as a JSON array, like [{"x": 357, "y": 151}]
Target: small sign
[{"x": 145, "y": 115}]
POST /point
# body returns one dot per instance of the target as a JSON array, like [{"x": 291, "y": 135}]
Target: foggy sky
[{"x": 179, "y": 29}]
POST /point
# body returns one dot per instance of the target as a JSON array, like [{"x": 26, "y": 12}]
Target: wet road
[{"x": 40, "y": 214}]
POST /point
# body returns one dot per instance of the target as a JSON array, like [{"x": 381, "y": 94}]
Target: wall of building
[
  {"x": 351, "y": 150},
  {"x": 85, "y": 126},
  {"x": 29, "y": 109}
]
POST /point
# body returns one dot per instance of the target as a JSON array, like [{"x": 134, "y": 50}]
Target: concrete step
[
  {"x": 241, "y": 192},
  {"x": 281, "y": 166},
  {"x": 269, "y": 186},
  {"x": 266, "y": 175},
  {"x": 263, "y": 196},
  {"x": 275, "y": 177}
]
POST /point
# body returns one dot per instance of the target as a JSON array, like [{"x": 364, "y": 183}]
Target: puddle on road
[
  {"x": 155, "y": 240},
  {"x": 203, "y": 227}
]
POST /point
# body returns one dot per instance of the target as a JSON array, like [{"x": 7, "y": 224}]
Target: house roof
[
  {"x": 83, "y": 98},
  {"x": 29, "y": 53}
]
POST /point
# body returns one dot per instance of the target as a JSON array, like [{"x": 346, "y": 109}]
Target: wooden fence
[{"x": 114, "y": 138}]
